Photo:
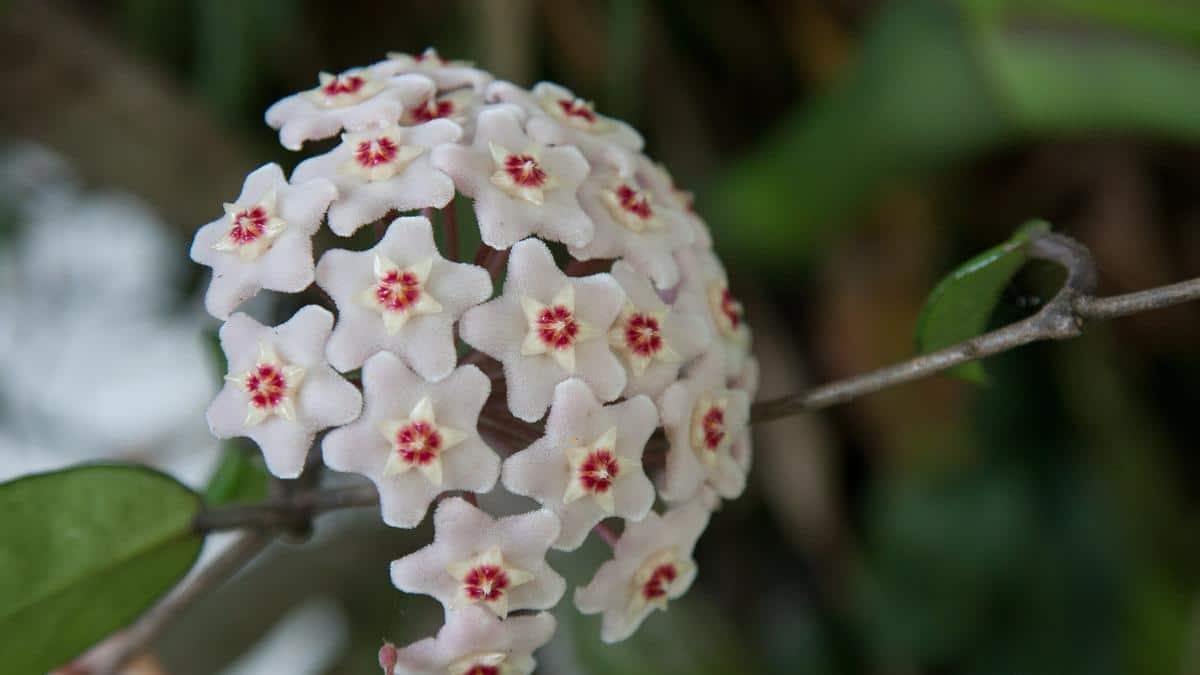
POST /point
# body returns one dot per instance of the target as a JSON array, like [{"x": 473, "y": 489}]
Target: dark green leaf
[
  {"x": 240, "y": 477},
  {"x": 959, "y": 307},
  {"x": 83, "y": 552}
]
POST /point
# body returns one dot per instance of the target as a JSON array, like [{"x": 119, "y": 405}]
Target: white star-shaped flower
[
  {"x": 588, "y": 466},
  {"x": 703, "y": 420},
  {"x": 448, "y": 75},
  {"x": 652, "y": 564},
  {"x": 281, "y": 392},
  {"x": 475, "y": 642},
  {"x": 559, "y": 117},
  {"x": 652, "y": 338},
  {"x": 409, "y": 423},
  {"x": 632, "y": 224},
  {"x": 477, "y": 560},
  {"x": 502, "y": 328},
  {"x": 520, "y": 187},
  {"x": 264, "y": 240},
  {"x": 353, "y": 101},
  {"x": 704, "y": 290},
  {"x": 401, "y": 296},
  {"x": 381, "y": 169}
]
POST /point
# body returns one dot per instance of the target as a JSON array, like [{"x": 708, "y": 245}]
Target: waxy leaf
[
  {"x": 959, "y": 307},
  {"x": 83, "y": 552}
]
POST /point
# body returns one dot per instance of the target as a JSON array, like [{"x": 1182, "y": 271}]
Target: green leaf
[
  {"x": 83, "y": 552},
  {"x": 959, "y": 307},
  {"x": 240, "y": 477}
]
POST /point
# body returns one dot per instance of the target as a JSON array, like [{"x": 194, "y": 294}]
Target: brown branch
[
  {"x": 132, "y": 642},
  {"x": 1062, "y": 318}
]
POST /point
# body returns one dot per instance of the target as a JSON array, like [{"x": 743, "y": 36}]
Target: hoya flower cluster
[{"x": 615, "y": 320}]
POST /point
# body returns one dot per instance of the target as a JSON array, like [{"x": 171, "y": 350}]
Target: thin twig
[
  {"x": 1060, "y": 319},
  {"x": 134, "y": 640}
]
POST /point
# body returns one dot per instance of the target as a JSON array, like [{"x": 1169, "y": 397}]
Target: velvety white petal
[
  {"x": 474, "y": 630},
  {"x": 300, "y": 119}
]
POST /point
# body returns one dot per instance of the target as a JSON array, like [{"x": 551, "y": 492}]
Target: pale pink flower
[
  {"x": 448, "y": 75},
  {"x": 477, "y": 560},
  {"x": 633, "y": 224},
  {"x": 264, "y": 240},
  {"x": 704, "y": 421},
  {"x": 652, "y": 564},
  {"x": 588, "y": 465},
  {"x": 402, "y": 296},
  {"x": 547, "y": 327},
  {"x": 704, "y": 289},
  {"x": 475, "y": 642},
  {"x": 652, "y": 339},
  {"x": 657, "y": 177},
  {"x": 280, "y": 391},
  {"x": 520, "y": 187},
  {"x": 380, "y": 169},
  {"x": 415, "y": 439},
  {"x": 559, "y": 117},
  {"x": 356, "y": 99}
]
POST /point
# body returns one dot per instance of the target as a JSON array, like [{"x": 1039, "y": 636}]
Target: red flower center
[
  {"x": 479, "y": 669},
  {"x": 525, "y": 171},
  {"x": 248, "y": 225},
  {"x": 343, "y": 84},
  {"x": 643, "y": 335},
  {"x": 433, "y": 109},
  {"x": 577, "y": 108},
  {"x": 266, "y": 385},
  {"x": 598, "y": 470},
  {"x": 398, "y": 290},
  {"x": 557, "y": 327},
  {"x": 660, "y": 580},
  {"x": 418, "y": 443},
  {"x": 713, "y": 424},
  {"x": 485, "y": 583},
  {"x": 376, "y": 151},
  {"x": 731, "y": 308},
  {"x": 634, "y": 201}
]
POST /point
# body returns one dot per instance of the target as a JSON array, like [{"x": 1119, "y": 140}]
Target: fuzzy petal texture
[
  {"x": 661, "y": 230},
  {"x": 314, "y": 114},
  {"x": 392, "y": 392},
  {"x": 653, "y": 366},
  {"x": 544, "y": 205},
  {"x": 369, "y": 186},
  {"x": 558, "y": 117},
  {"x": 500, "y": 329},
  {"x": 546, "y": 471},
  {"x": 704, "y": 290},
  {"x": 462, "y": 533},
  {"x": 474, "y": 637},
  {"x": 323, "y": 399},
  {"x": 657, "y": 177},
  {"x": 448, "y": 75},
  {"x": 702, "y": 455},
  {"x": 280, "y": 257},
  {"x": 615, "y": 588},
  {"x": 425, "y": 336}
]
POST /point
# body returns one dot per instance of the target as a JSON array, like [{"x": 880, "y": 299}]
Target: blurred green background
[{"x": 847, "y": 153}]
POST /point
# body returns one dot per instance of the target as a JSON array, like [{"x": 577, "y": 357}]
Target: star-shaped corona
[
  {"x": 708, "y": 432},
  {"x": 661, "y": 577},
  {"x": 399, "y": 293},
  {"x": 631, "y": 206},
  {"x": 271, "y": 385},
  {"x": 379, "y": 154},
  {"x": 253, "y": 229},
  {"x": 521, "y": 174},
  {"x": 595, "y": 468},
  {"x": 418, "y": 442},
  {"x": 339, "y": 91},
  {"x": 554, "y": 329},
  {"x": 638, "y": 336},
  {"x": 488, "y": 580}
]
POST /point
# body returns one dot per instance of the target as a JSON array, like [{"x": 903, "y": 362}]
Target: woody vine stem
[{"x": 1063, "y": 317}]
